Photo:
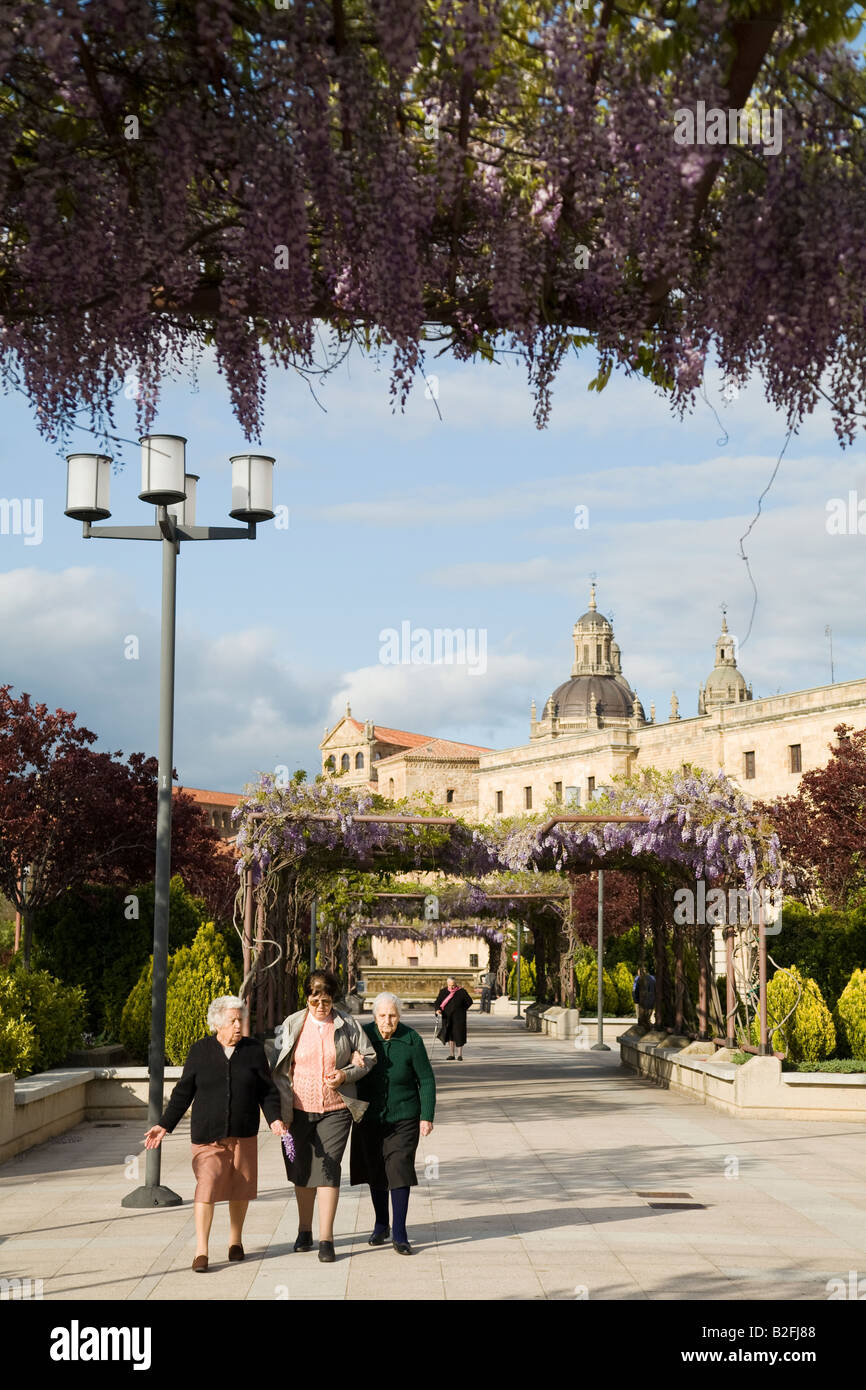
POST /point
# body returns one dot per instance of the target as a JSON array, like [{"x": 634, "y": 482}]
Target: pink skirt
[{"x": 227, "y": 1170}]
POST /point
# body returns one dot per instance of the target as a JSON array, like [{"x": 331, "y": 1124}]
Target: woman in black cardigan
[
  {"x": 452, "y": 1005},
  {"x": 227, "y": 1078}
]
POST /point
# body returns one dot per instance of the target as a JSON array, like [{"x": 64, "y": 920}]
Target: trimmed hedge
[
  {"x": 623, "y": 980},
  {"x": 838, "y": 1065},
  {"x": 527, "y": 980},
  {"x": 808, "y": 1035},
  {"x": 202, "y": 972},
  {"x": 850, "y": 1016},
  {"x": 42, "y": 1019}
]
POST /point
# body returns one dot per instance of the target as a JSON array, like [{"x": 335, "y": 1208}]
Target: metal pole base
[
  {"x": 152, "y": 1197},
  {"x": 599, "y": 1047}
]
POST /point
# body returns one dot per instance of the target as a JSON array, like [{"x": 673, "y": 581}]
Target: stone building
[{"x": 593, "y": 727}]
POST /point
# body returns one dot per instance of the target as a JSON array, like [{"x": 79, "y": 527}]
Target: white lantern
[
  {"x": 252, "y": 487},
  {"x": 184, "y": 512},
  {"x": 162, "y": 469},
  {"x": 88, "y": 477}
]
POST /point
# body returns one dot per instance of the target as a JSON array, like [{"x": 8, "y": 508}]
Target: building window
[
  {"x": 449, "y": 795},
  {"x": 330, "y": 765},
  {"x": 359, "y": 760},
  {"x": 391, "y": 788},
  {"x": 590, "y": 788},
  {"x": 412, "y": 960},
  {"x": 598, "y": 653},
  {"x": 473, "y": 962},
  {"x": 527, "y": 798},
  {"x": 796, "y": 757},
  {"x": 227, "y": 823},
  {"x": 749, "y": 759},
  {"x": 344, "y": 763},
  {"x": 557, "y": 791},
  {"x": 499, "y": 801}
]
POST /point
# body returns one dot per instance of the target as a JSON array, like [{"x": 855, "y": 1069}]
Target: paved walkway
[{"x": 532, "y": 1186}]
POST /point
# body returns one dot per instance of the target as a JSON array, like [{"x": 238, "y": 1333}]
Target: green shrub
[
  {"x": 850, "y": 1016},
  {"x": 826, "y": 945},
  {"x": 202, "y": 972},
  {"x": 845, "y": 1066},
  {"x": 808, "y": 1035},
  {"x": 100, "y": 937},
  {"x": 134, "y": 1030},
  {"x": 56, "y": 1013},
  {"x": 588, "y": 980},
  {"x": 527, "y": 980},
  {"x": 17, "y": 1043},
  {"x": 623, "y": 979}
]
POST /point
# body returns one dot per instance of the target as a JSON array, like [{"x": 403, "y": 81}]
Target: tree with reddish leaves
[
  {"x": 69, "y": 814},
  {"x": 823, "y": 827}
]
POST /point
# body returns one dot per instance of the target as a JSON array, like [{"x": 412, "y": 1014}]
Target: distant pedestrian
[
  {"x": 644, "y": 992},
  {"x": 225, "y": 1078},
  {"x": 452, "y": 1005},
  {"x": 325, "y": 1051},
  {"x": 488, "y": 985},
  {"x": 401, "y": 1091}
]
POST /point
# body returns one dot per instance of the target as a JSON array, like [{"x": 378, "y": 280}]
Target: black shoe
[
  {"x": 460, "y": 1059},
  {"x": 304, "y": 1240},
  {"x": 326, "y": 1252},
  {"x": 402, "y": 1247},
  {"x": 449, "y": 1058},
  {"x": 380, "y": 1237}
]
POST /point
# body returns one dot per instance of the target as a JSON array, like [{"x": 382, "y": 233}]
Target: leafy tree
[
  {"x": 827, "y": 945},
  {"x": 70, "y": 815},
  {"x": 527, "y": 980},
  {"x": 55, "y": 1012},
  {"x": 464, "y": 175}
]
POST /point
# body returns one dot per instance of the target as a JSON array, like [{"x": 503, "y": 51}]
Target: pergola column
[
  {"x": 704, "y": 941},
  {"x": 679, "y": 976},
  {"x": 731, "y": 990}
]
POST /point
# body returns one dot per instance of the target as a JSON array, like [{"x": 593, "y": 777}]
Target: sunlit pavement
[{"x": 533, "y": 1185}]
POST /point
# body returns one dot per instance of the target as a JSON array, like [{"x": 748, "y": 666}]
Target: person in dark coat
[
  {"x": 401, "y": 1092},
  {"x": 226, "y": 1078},
  {"x": 452, "y": 1005}
]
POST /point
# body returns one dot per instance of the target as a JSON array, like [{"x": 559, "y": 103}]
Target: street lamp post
[{"x": 166, "y": 484}]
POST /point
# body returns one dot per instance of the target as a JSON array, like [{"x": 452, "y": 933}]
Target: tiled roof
[
  {"x": 398, "y": 736},
  {"x": 206, "y": 798},
  {"x": 444, "y": 748}
]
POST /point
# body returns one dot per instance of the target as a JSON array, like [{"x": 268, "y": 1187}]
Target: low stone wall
[
  {"x": 42, "y": 1106},
  {"x": 757, "y": 1088}
]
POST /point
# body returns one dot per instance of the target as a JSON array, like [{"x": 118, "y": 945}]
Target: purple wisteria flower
[{"x": 288, "y": 1146}]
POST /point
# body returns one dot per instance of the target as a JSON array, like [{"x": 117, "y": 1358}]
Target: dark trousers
[{"x": 485, "y": 1000}]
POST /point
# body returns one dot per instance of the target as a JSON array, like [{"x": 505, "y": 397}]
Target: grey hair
[
  {"x": 386, "y": 998},
  {"x": 217, "y": 1010}
]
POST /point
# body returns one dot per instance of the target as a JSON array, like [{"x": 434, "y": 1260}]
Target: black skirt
[
  {"x": 320, "y": 1141},
  {"x": 383, "y": 1153}
]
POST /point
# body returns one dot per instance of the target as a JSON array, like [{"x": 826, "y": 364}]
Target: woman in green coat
[{"x": 401, "y": 1092}]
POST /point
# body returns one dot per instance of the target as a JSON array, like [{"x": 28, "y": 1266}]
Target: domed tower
[
  {"x": 725, "y": 685},
  {"x": 598, "y": 694}
]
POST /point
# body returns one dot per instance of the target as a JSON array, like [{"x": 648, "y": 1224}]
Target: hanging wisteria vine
[{"x": 465, "y": 176}]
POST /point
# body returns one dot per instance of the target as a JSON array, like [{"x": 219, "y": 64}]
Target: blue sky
[{"x": 467, "y": 522}]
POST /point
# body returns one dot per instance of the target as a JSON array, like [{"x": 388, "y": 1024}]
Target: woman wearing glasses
[{"x": 324, "y": 1052}]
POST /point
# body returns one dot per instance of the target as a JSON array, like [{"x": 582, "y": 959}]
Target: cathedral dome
[
  {"x": 726, "y": 685},
  {"x": 596, "y": 694}
]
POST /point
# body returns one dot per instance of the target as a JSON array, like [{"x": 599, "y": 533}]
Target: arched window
[
  {"x": 359, "y": 760},
  {"x": 330, "y": 765},
  {"x": 391, "y": 787},
  {"x": 345, "y": 763}
]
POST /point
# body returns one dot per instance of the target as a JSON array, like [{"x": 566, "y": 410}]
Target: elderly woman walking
[
  {"x": 452, "y": 1005},
  {"x": 226, "y": 1078},
  {"x": 324, "y": 1052},
  {"x": 402, "y": 1097}
]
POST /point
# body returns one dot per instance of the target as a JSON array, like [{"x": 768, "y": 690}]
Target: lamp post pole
[{"x": 167, "y": 485}]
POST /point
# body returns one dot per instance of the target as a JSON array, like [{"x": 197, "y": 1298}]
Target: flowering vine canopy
[
  {"x": 423, "y": 176},
  {"x": 699, "y": 825}
]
